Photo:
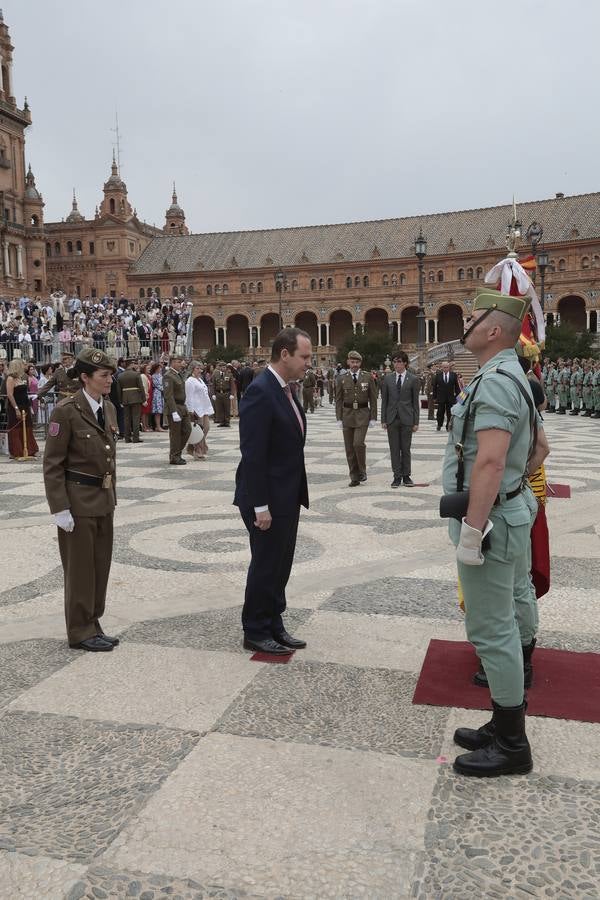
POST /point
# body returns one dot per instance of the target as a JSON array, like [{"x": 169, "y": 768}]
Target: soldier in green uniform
[
  {"x": 576, "y": 385},
  {"x": 355, "y": 411},
  {"x": 224, "y": 389},
  {"x": 309, "y": 384},
  {"x": 331, "y": 385},
  {"x": 587, "y": 390},
  {"x": 549, "y": 385},
  {"x": 131, "y": 396},
  {"x": 596, "y": 390},
  {"x": 79, "y": 477},
  {"x": 175, "y": 410},
  {"x": 563, "y": 381},
  {"x": 65, "y": 386},
  {"x": 490, "y": 449}
]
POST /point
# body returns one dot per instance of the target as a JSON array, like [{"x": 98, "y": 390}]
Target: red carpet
[
  {"x": 566, "y": 685},
  {"x": 259, "y": 656},
  {"x": 556, "y": 491}
]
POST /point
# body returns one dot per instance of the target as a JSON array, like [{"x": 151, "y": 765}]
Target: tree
[
  {"x": 226, "y": 354},
  {"x": 373, "y": 347},
  {"x": 563, "y": 340}
]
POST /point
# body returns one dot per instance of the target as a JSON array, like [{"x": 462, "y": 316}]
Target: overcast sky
[{"x": 293, "y": 112}]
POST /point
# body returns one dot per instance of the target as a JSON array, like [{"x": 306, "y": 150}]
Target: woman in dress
[
  {"x": 197, "y": 400},
  {"x": 147, "y": 406},
  {"x": 19, "y": 409},
  {"x": 157, "y": 395}
]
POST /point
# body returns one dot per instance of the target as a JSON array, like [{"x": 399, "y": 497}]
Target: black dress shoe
[
  {"x": 266, "y": 645},
  {"x": 354, "y": 483},
  {"x": 396, "y": 483},
  {"x": 438, "y": 428},
  {"x": 288, "y": 641},
  {"x": 407, "y": 481},
  {"x": 363, "y": 477},
  {"x": 95, "y": 644},
  {"x": 178, "y": 462},
  {"x": 109, "y": 640},
  {"x": 139, "y": 441}
]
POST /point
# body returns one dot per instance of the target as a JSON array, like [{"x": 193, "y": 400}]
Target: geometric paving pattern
[{"x": 176, "y": 767}]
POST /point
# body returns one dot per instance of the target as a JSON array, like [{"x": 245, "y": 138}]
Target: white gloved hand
[
  {"x": 64, "y": 520},
  {"x": 176, "y": 417},
  {"x": 372, "y": 423},
  {"x": 231, "y": 396},
  {"x": 339, "y": 423},
  {"x": 214, "y": 397},
  {"x": 468, "y": 550}
]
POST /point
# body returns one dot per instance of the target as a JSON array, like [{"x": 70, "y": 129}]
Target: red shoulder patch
[{"x": 53, "y": 429}]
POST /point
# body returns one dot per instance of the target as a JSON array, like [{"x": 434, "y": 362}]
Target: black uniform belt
[
  {"x": 358, "y": 406},
  {"x": 509, "y": 495},
  {"x": 81, "y": 478}
]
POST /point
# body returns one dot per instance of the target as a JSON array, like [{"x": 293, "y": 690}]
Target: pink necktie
[{"x": 288, "y": 392}]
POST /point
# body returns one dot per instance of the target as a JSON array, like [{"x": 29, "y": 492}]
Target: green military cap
[
  {"x": 89, "y": 360},
  {"x": 488, "y": 298},
  {"x": 354, "y": 354},
  {"x": 221, "y": 362}
]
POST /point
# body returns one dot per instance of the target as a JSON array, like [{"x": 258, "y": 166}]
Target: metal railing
[{"x": 41, "y": 352}]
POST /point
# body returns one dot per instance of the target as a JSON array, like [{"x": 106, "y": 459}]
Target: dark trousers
[
  {"x": 399, "y": 439},
  {"x": 356, "y": 450},
  {"x": 430, "y": 407},
  {"x": 222, "y": 408},
  {"x": 268, "y": 574},
  {"x": 131, "y": 421},
  {"x": 179, "y": 433},
  {"x": 86, "y": 554},
  {"x": 444, "y": 407},
  {"x": 308, "y": 400}
]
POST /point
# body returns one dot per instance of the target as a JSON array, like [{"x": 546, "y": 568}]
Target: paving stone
[
  {"x": 25, "y": 663},
  {"x": 425, "y": 598}
]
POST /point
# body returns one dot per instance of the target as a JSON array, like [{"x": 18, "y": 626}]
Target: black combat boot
[
  {"x": 588, "y": 413},
  {"x": 562, "y": 411},
  {"x": 574, "y": 412},
  {"x": 475, "y": 738},
  {"x": 508, "y": 753},
  {"x": 596, "y": 414},
  {"x": 480, "y": 678}
]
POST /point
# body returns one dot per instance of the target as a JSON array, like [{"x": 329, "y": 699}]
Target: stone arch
[
  {"x": 203, "y": 333},
  {"x": 237, "y": 331},
  {"x": 571, "y": 310},
  {"x": 308, "y": 322},
  {"x": 340, "y": 326},
  {"x": 450, "y": 322},
  {"x": 377, "y": 321},
  {"x": 269, "y": 328},
  {"x": 408, "y": 325}
]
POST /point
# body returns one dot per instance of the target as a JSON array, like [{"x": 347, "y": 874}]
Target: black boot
[
  {"x": 574, "y": 412},
  {"x": 527, "y": 664},
  {"x": 480, "y": 678},
  {"x": 475, "y": 738},
  {"x": 508, "y": 753},
  {"x": 562, "y": 411}
]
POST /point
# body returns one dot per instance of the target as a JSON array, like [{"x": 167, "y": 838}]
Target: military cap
[
  {"x": 354, "y": 354},
  {"x": 221, "y": 362},
  {"x": 89, "y": 360},
  {"x": 488, "y": 298},
  {"x": 177, "y": 356},
  {"x": 68, "y": 353}
]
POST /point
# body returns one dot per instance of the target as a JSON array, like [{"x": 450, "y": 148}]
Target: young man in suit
[
  {"x": 400, "y": 416},
  {"x": 445, "y": 391},
  {"x": 270, "y": 488}
]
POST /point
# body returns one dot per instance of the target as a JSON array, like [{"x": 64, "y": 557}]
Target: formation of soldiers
[{"x": 573, "y": 386}]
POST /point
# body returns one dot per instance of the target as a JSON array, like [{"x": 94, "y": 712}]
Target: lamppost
[
  {"x": 542, "y": 264},
  {"x": 420, "y": 253},
  {"x": 279, "y": 286}
]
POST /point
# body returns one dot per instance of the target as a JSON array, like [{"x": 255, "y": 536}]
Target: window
[
  {"x": 209, "y": 290},
  {"x": 259, "y": 287},
  {"x": 131, "y": 247},
  {"x": 6, "y": 214},
  {"x": 69, "y": 246},
  {"x": 92, "y": 248},
  {"x": 385, "y": 281},
  {"x": 57, "y": 249},
  {"x": 562, "y": 265},
  {"x": 48, "y": 249},
  {"x": 461, "y": 274},
  {"x": 251, "y": 287},
  {"x": 217, "y": 288},
  {"x": 174, "y": 291},
  {"x": 94, "y": 293},
  {"x": 596, "y": 260},
  {"x": 225, "y": 289},
  {"x": 313, "y": 284},
  {"x": 190, "y": 289},
  {"x": 348, "y": 282},
  {"x": 585, "y": 262},
  {"x": 357, "y": 281},
  {"x": 394, "y": 281},
  {"x": 330, "y": 284},
  {"x": 243, "y": 287},
  {"x": 142, "y": 293},
  {"x": 157, "y": 292},
  {"x": 182, "y": 289},
  {"x": 469, "y": 274},
  {"x": 112, "y": 205},
  {"x": 321, "y": 284},
  {"x": 148, "y": 292},
  {"x": 35, "y": 221},
  {"x": 295, "y": 285},
  {"x": 440, "y": 275},
  {"x": 402, "y": 278},
  {"x": 78, "y": 247},
  {"x": 431, "y": 276},
  {"x": 366, "y": 281},
  {"x": 479, "y": 272},
  {"x": 37, "y": 285}
]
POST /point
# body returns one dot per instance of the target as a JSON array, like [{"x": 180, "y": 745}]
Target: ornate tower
[
  {"x": 115, "y": 201},
  {"x": 74, "y": 217},
  {"x": 175, "y": 217}
]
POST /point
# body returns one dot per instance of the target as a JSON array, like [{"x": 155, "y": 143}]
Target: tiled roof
[{"x": 563, "y": 219}]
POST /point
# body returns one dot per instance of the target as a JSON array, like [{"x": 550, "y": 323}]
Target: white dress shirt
[{"x": 94, "y": 404}]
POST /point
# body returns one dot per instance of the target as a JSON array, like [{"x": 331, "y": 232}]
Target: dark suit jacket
[
  {"x": 406, "y": 406},
  {"x": 271, "y": 471},
  {"x": 443, "y": 392}
]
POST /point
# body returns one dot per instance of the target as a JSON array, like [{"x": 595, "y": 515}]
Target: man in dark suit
[
  {"x": 400, "y": 416},
  {"x": 445, "y": 392},
  {"x": 270, "y": 488}
]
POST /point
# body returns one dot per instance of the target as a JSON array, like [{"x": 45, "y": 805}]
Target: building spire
[{"x": 114, "y": 168}]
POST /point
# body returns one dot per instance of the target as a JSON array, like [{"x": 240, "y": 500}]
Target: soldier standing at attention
[
  {"x": 79, "y": 477},
  {"x": 131, "y": 397},
  {"x": 596, "y": 390},
  {"x": 549, "y": 384},
  {"x": 576, "y": 382},
  {"x": 331, "y": 385},
  {"x": 224, "y": 388},
  {"x": 355, "y": 411},
  {"x": 587, "y": 393},
  {"x": 563, "y": 381},
  {"x": 64, "y": 385},
  {"x": 309, "y": 384},
  {"x": 176, "y": 411},
  {"x": 491, "y": 448}
]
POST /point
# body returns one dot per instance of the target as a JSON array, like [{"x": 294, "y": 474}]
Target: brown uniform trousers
[
  {"x": 77, "y": 445},
  {"x": 174, "y": 401},
  {"x": 355, "y": 406},
  {"x": 132, "y": 396},
  {"x": 308, "y": 392},
  {"x": 223, "y": 387}
]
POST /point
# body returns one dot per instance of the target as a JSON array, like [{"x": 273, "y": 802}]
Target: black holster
[{"x": 454, "y": 506}]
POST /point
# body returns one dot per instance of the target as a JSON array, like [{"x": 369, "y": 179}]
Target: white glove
[
  {"x": 176, "y": 417},
  {"x": 372, "y": 423},
  {"x": 214, "y": 397},
  {"x": 231, "y": 396},
  {"x": 64, "y": 520},
  {"x": 468, "y": 550},
  {"x": 339, "y": 423}
]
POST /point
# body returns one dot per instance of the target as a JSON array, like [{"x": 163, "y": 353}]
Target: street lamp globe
[
  {"x": 542, "y": 259},
  {"x": 421, "y": 245}
]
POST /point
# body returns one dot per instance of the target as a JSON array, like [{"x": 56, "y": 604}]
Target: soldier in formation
[
  {"x": 175, "y": 410},
  {"x": 356, "y": 411},
  {"x": 131, "y": 395},
  {"x": 224, "y": 388},
  {"x": 309, "y": 384},
  {"x": 575, "y": 388}
]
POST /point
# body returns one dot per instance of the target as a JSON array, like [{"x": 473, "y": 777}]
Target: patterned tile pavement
[{"x": 177, "y": 767}]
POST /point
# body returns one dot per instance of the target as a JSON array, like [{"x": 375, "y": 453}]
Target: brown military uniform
[
  {"x": 131, "y": 396},
  {"x": 79, "y": 474},
  {"x": 355, "y": 407},
  {"x": 174, "y": 401},
  {"x": 308, "y": 392},
  {"x": 223, "y": 388},
  {"x": 64, "y": 385}
]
